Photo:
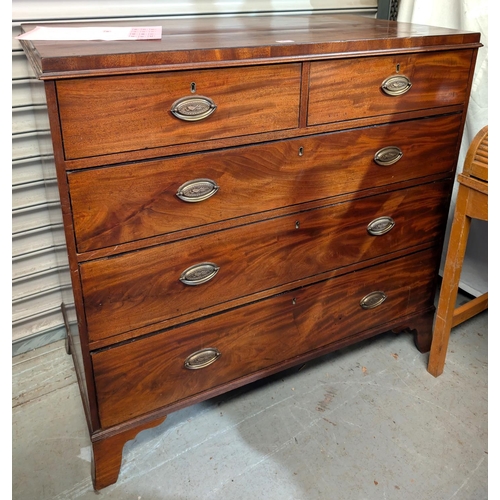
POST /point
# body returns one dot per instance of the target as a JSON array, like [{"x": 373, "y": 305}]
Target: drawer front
[
  {"x": 127, "y": 113},
  {"x": 150, "y": 373},
  {"x": 127, "y": 203},
  {"x": 353, "y": 88},
  {"x": 142, "y": 288}
]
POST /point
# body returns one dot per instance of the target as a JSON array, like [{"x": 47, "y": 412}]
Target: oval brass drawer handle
[
  {"x": 396, "y": 85},
  {"x": 197, "y": 190},
  {"x": 380, "y": 225},
  {"x": 388, "y": 156},
  {"x": 202, "y": 359},
  {"x": 199, "y": 273},
  {"x": 192, "y": 109},
  {"x": 372, "y": 300}
]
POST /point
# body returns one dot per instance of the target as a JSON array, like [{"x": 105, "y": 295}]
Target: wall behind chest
[
  {"x": 470, "y": 15},
  {"x": 40, "y": 275}
]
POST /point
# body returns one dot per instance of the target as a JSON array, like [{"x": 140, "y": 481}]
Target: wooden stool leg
[
  {"x": 449, "y": 288},
  {"x": 107, "y": 454}
]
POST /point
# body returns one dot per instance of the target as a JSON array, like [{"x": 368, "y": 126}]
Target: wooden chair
[{"x": 471, "y": 203}]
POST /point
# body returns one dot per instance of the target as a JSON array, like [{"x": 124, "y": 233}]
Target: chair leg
[{"x": 449, "y": 288}]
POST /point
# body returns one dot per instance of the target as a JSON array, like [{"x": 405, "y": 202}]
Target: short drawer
[
  {"x": 117, "y": 114},
  {"x": 143, "y": 288},
  {"x": 357, "y": 88},
  {"x": 120, "y": 204},
  {"x": 151, "y": 373}
]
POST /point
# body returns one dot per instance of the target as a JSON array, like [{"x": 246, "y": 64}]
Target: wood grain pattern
[
  {"x": 147, "y": 374},
  {"x": 199, "y": 42},
  {"x": 300, "y": 115},
  {"x": 115, "y": 114},
  {"x": 471, "y": 203},
  {"x": 343, "y": 90},
  {"x": 107, "y": 454},
  {"x": 141, "y": 288},
  {"x": 133, "y": 202}
]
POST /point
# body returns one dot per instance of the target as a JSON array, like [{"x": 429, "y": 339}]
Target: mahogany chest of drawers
[{"x": 244, "y": 195}]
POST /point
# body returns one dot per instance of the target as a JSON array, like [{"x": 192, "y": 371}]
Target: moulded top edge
[{"x": 200, "y": 42}]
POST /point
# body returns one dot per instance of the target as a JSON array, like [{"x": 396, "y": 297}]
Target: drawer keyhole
[{"x": 193, "y": 87}]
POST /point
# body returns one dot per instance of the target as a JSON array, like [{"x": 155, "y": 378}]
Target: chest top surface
[{"x": 240, "y": 40}]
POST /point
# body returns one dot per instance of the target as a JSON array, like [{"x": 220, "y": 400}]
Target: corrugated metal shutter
[
  {"x": 40, "y": 276},
  {"x": 37, "y": 238}
]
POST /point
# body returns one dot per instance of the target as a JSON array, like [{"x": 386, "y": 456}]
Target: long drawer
[
  {"x": 127, "y": 113},
  {"x": 116, "y": 205},
  {"x": 153, "y": 372},
  {"x": 145, "y": 287},
  {"x": 347, "y": 89}
]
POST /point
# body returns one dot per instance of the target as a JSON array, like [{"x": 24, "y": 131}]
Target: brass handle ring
[
  {"x": 388, "y": 156},
  {"x": 396, "y": 85},
  {"x": 380, "y": 225},
  {"x": 199, "y": 273},
  {"x": 372, "y": 300},
  {"x": 197, "y": 190},
  {"x": 192, "y": 109},
  {"x": 202, "y": 359}
]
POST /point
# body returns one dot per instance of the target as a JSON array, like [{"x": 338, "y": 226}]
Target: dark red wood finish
[
  {"x": 143, "y": 288},
  {"x": 221, "y": 41},
  {"x": 343, "y": 90},
  {"x": 107, "y": 115},
  {"x": 300, "y": 116},
  {"x": 252, "y": 179},
  {"x": 256, "y": 337}
]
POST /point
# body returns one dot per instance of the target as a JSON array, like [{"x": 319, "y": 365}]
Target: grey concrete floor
[{"x": 366, "y": 422}]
